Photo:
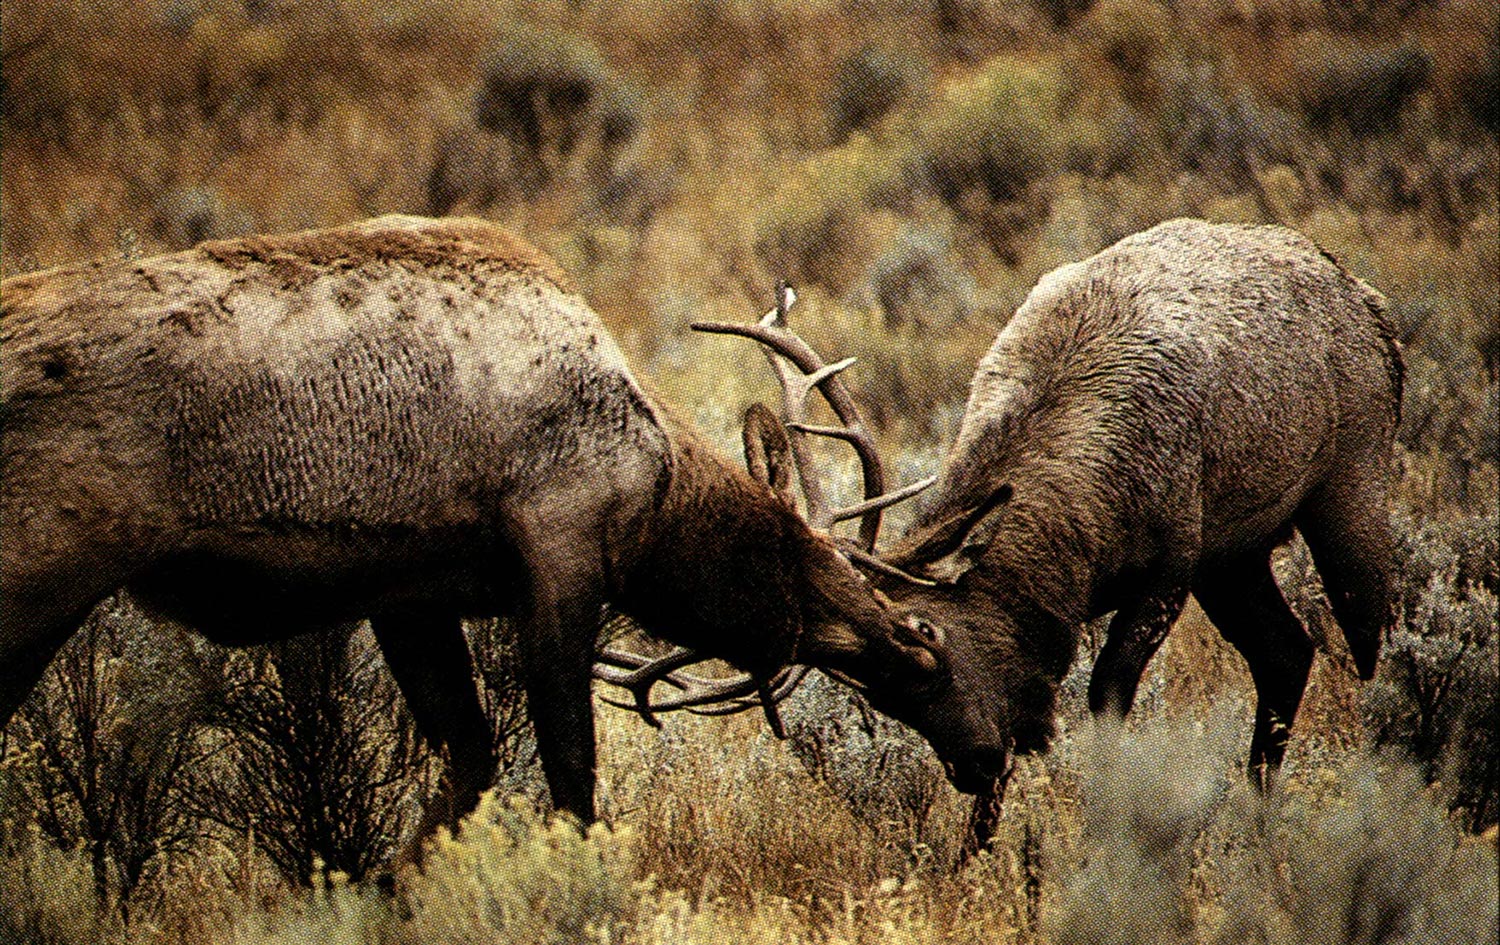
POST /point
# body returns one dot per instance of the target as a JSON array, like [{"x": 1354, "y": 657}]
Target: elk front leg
[
  {"x": 984, "y": 818},
  {"x": 26, "y": 649},
  {"x": 557, "y": 634},
  {"x": 1135, "y": 634}
]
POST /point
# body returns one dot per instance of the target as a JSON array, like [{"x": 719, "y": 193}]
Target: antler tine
[
  {"x": 870, "y": 561},
  {"x": 883, "y": 501},
  {"x": 639, "y": 674},
  {"x": 794, "y": 391},
  {"x": 772, "y": 332},
  {"x": 700, "y": 692},
  {"x": 780, "y": 686},
  {"x": 768, "y": 697}
]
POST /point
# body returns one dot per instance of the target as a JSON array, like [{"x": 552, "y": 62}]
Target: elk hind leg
[
  {"x": 429, "y": 658},
  {"x": 1246, "y": 605},
  {"x": 1347, "y": 527}
]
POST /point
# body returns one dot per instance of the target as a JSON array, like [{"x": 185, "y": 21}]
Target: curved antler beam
[
  {"x": 772, "y": 332},
  {"x": 639, "y": 674}
]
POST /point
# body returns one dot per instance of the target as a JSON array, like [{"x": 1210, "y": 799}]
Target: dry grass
[{"x": 998, "y": 140}]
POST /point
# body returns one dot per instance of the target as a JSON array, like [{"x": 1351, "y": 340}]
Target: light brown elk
[
  {"x": 1153, "y": 421},
  {"x": 410, "y": 421}
]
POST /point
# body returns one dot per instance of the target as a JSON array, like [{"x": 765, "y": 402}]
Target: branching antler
[
  {"x": 639, "y": 674},
  {"x": 800, "y": 371},
  {"x": 785, "y": 349}
]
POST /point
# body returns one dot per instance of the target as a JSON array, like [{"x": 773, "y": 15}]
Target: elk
[
  {"x": 408, "y": 421},
  {"x": 1153, "y": 421}
]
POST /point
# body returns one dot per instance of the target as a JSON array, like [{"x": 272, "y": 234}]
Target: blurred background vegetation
[{"x": 913, "y": 166}]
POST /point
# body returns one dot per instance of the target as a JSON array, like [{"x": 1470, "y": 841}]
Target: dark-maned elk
[
  {"x": 410, "y": 421},
  {"x": 1154, "y": 420}
]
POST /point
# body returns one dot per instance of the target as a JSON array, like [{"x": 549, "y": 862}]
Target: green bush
[
  {"x": 882, "y": 769},
  {"x": 1176, "y": 847},
  {"x": 1352, "y": 854},
  {"x": 1214, "y": 128},
  {"x": 511, "y": 876},
  {"x": 919, "y": 280},
  {"x": 813, "y": 222},
  {"x": 997, "y": 131},
  {"x": 1437, "y": 694},
  {"x": 1360, "y": 87},
  {"x": 870, "y": 83},
  {"x": 1131, "y": 35},
  {"x": 1482, "y": 90},
  {"x": 1145, "y": 797},
  {"x": 46, "y": 894},
  {"x": 547, "y": 89},
  {"x": 189, "y": 215}
]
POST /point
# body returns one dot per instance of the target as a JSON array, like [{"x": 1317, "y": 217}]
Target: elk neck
[{"x": 716, "y": 565}]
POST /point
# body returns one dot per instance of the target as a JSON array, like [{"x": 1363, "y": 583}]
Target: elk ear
[
  {"x": 768, "y": 451},
  {"x": 952, "y": 533}
]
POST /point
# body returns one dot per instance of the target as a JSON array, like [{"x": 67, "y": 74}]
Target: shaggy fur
[
  {"x": 405, "y": 420},
  {"x": 1155, "y": 420}
]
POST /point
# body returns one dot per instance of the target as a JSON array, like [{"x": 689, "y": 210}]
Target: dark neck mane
[{"x": 716, "y": 564}]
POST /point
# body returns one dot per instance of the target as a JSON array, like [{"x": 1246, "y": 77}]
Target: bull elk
[
  {"x": 407, "y": 421},
  {"x": 1153, "y": 421}
]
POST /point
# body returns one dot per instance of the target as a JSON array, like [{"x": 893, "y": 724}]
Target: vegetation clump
[
  {"x": 868, "y": 85},
  {"x": 545, "y": 90},
  {"x": 993, "y": 131},
  {"x": 918, "y": 281},
  {"x": 1361, "y": 87}
]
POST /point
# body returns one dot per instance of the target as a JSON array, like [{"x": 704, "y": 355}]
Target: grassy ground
[{"x": 914, "y": 167}]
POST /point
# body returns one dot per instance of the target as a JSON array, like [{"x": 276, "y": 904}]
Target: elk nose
[{"x": 974, "y": 770}]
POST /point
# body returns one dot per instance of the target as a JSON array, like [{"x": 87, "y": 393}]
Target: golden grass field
[{"x": 913, "y": 166}]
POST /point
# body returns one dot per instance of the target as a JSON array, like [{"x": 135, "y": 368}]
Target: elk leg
[
  {"x": 1348, "y": 531},
  {"x": 1245, "y": 603},
  {"x": 31, "y": 633},
  {"x": 557, "y": 632},
  {"x": 429, "y": 658},
  {"x": 1135, "y": 634},
  {"x": 45, "y": 598},
  {"x": 23, "y": 662}
]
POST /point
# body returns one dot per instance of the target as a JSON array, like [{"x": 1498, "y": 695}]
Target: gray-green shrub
[
  {"x": 868, "y": 84},
  {"x": 1437, "y": 694},
  {"x": 1361, "y": 87},
  {"x": 919, "y": 280},
  {"x": 546, "y": 89}
]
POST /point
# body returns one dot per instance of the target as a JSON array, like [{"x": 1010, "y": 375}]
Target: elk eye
[{"x": 928, "y": 632}]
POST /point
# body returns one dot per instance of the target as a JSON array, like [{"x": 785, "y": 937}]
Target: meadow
[{"x": 913, "y": 166}]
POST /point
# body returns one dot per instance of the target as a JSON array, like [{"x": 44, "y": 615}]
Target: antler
[
  {"x": 813, "y": 373},
  {"x": 639, "y": 674}
]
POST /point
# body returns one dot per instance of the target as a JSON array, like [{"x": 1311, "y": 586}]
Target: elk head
[
  {"x": 1005, "y": 652},
  {"x": 847, "y": 627}
]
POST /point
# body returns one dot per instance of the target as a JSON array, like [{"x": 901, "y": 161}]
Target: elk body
[
  {"x": 1154, "y": 421},
  {"x": 405, "y": 420}
]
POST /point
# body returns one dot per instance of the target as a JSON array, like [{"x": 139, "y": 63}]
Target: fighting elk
[
  {"x": 1153, "y": 421},
  {"x": 410, "y": 421}
]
